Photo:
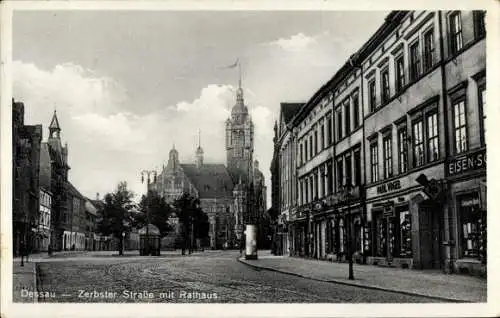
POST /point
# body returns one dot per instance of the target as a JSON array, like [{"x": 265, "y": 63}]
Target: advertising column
[{"x": 251, "y": 242}]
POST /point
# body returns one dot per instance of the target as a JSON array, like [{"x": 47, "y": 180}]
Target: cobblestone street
[{"x": 205, "y": 277}]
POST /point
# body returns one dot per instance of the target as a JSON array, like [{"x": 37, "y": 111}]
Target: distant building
[
  {"x": 26, "y": 141},
  {"x": 54, "y": 170},
  {"x": 44, "y": 229},
  {"x": 74, "y": 236},
  {"x": 90, "y": 225},
  {"x": 231, "y": 195},
  {"x": 284, "y": 176}
]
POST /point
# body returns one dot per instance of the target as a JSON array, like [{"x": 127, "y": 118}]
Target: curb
[{"x": 404, "y": 292}]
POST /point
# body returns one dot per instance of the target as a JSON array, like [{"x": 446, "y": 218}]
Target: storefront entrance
[
  {"x": 392, "y": 233},
  {"x": 430, "y": 236}
]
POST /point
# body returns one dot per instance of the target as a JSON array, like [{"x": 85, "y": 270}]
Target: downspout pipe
[{"x": 448, "y": 263}]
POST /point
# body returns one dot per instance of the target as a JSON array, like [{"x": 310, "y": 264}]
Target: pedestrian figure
[{"x": 49, "y": 250}]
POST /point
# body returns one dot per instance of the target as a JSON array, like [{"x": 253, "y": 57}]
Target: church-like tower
[{"x": 239, "y": 140}]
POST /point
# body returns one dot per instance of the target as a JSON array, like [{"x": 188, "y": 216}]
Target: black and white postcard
[{"x": 321, "y": 158}]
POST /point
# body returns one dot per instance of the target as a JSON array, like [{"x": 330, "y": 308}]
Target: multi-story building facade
[
  {"x": 313, "y": 127},
  {"x": 74, "y": 236},
  {"x": 407, "y": 136},
  {"x": 44, "y": 231},
  {"x": 286, "y": 149},
  {"x": 54, "y": 169},
  {"x": 464, "y": 71},
  {"x": 26, "y": 141},
  {"x": 90, "y": 225}
]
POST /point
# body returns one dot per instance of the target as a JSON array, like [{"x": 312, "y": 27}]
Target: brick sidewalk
[
  {"x": 23, "y": 279},
  {"x": 416, "y": 282}
]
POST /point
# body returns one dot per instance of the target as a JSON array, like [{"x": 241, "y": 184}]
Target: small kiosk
[{"x": 149, "y": 241}]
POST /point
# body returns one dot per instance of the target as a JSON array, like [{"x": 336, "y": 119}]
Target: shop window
[
  {"x": 460, "y": 126},
  {"x": 405, "y": 234},
  {"x": 455, "y": 32},
  {"x": 418, "y": 143},
  {"x": 400, "y": 73},
  {"x": 381, "y": 236},
  {"x": 473, "y": 222},
  {"x": 402, "y": 150},
  {"x": 341, "y": 237},
  {"x": 432, "y": 138},
  {"x": 429, "y": 49}
]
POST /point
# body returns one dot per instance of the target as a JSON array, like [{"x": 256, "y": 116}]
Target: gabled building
[{"x": 54, "y": 167}]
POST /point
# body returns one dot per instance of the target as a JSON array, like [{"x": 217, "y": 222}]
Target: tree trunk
[{"x": 120, "y": 247}]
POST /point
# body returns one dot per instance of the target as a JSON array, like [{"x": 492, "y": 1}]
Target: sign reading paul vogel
[{"x": 472, "y": 161}]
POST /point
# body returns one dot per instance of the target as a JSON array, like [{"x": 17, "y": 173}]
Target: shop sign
[
  {"x": 473, "y": 161},
  {"x": 389, "y": 186},
  {"x": 388, "y": 211}
]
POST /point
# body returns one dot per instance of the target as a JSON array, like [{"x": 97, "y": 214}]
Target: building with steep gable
[{"x": 54, "y": 169}]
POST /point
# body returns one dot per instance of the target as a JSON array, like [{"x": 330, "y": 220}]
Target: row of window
[
  {"x": 44, "y": 217},
  {"x": 421, "y": 58},
  {"x": 314, "y": 143},
  {"x": 45, "y": 199},
  {"x": 318, "y": 184},
  {"x": 349, "y": 108},
  {"x": 424, "y": 139}
]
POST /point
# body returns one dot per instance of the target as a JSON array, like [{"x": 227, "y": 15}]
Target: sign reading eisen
[{"x": 472, "y": 161}]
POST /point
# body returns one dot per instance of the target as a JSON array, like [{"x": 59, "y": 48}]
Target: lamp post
[
  {"x": 123, "y": 243},
  {"x": 148, "y": 174},
  {"x": 347, "y": 193}
]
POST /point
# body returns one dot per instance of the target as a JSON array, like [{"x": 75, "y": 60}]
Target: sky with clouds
[{"x": 127, "y": 85}]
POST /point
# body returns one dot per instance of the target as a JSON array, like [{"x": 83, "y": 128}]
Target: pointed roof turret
[
  {"x": 199, "y": 152},
  {"x": 54, "y": 124},
  {"x": 54, "y": 128}
]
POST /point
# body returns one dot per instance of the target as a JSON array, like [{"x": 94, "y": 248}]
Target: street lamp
[
  {"x": 148, "y": 174},
  {"x": 123, "y": 243},
  {"x": 347, "y": 194}
]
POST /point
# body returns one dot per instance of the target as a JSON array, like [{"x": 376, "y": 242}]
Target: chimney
[{"x": 97, "y": 196}]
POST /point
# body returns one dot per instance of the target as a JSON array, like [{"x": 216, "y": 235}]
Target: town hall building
[{"x": 232, "y": 195}]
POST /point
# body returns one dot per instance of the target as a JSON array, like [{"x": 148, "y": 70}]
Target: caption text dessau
[{"x": 128, "y": 294}]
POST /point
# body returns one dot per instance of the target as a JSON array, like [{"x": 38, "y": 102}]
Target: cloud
[
  {"x": 108, "y": 144},
  {"x": 295, "y": 42}
]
